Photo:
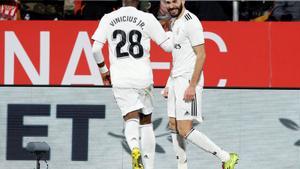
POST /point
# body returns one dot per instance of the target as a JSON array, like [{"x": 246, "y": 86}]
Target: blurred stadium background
[{"x": 51, "y": 89}]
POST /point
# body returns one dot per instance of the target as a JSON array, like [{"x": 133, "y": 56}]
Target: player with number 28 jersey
[{"x": 128, "y": 32}]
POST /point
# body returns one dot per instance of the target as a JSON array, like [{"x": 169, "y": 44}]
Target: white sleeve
[
  {"x": 195, "y": 32},
  {"x": 156, "y": 32},
  {"x": 97, "y": 52},
  {"x": 168, "y": 82},
  {"x": 100, "y": 34},
  {"x": 168, "y": 44}
]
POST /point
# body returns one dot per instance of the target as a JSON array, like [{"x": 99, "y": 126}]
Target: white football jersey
[
  {"x": 128, "y": 32},
  {"x": 187, "y": 32}
]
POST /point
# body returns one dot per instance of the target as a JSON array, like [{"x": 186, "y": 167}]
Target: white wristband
[{"x": 103, "y": 69}]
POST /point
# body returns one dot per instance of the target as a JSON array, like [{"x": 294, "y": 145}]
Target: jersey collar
[{"x": 128, "y": 7}]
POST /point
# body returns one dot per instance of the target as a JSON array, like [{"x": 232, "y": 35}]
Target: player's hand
[
  {"x": 106, "y": 78},
  {"x": 165, "y": 92},
  {"x": 189, "y": 93}
]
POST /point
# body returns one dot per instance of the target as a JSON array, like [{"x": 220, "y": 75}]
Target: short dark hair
[{"x": 134, "y": 3}]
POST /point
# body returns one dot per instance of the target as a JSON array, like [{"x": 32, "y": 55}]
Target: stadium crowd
[{"x": 94, "y": 10}]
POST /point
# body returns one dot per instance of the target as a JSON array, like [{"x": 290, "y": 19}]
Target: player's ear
[{"x": 183, "y": 2}]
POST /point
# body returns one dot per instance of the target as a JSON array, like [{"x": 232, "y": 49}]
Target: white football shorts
[
  {"x": 130, "y": 99},
  {"x": 177, "y": 107}
]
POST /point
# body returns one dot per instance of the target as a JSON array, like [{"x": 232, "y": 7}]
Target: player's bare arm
[
  {"x": 191, "y": 90},
  {"x": 165, "y": 91},
  {"x": 105, "y": 75}
]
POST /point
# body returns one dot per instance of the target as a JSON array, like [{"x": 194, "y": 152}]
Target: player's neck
[{"x": 181, "y": 14}]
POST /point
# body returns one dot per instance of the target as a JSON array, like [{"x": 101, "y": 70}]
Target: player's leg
[
  {"x": 177, "y": 141},
  {"x": 147, "y": 141},
  {"x": 127, "y": 100},
  {"x": 146, "y": 128},
  {"x": 185, "y": 128},
  {"x": 132, "y": 124},
  {"x": 179, "y": 145},
  {"x": 185, "y": 115}
]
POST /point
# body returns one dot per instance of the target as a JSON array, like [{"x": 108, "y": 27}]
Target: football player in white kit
[
  {"x": 185, "y": 86},
  {"x": 128, "y": 32}
]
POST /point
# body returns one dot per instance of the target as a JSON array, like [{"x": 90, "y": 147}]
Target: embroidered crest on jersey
[
  {"x": 187, "y": 16},
  {"x": 177, "y": 46}
]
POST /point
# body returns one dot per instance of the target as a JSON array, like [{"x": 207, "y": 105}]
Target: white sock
[
  {"x": 147, "y": 145},
  {"x": 132, "y": 133},
  {"x": 202, "y": 141},
  {"x": 179, "y": 148}
]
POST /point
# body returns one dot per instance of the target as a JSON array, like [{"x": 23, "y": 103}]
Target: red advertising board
[
  {"x": 239, "y": 54},
  {"x": 285, "y": 54}
]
